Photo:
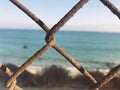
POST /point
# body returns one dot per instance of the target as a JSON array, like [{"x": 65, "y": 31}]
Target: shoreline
[
  {"x": 57, "y": 78},
  {"x": 72, "y": 71}
]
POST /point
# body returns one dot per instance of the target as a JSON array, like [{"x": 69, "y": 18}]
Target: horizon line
[{"x": 76, "y": 30}]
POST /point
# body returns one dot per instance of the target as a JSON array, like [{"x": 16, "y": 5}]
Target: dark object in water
[{"x": 25, "y": 47}]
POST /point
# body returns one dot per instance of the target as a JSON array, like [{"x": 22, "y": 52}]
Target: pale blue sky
[{"x": 94, "y": 16}]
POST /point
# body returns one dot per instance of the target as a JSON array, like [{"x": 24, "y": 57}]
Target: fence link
[{"x": 50, "y": 43}]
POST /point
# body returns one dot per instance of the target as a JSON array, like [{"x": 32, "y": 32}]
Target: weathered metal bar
[
  {"x": 75, "y": 63},
  {"x": 113, "y": 9},
  {"x": 70, "y": 14},
  {"x": 29, "y": 61},
  {"x": 113, "y": 72},
  {"x": 30, "y": 14},
  {"x": 9, "y": 73}
]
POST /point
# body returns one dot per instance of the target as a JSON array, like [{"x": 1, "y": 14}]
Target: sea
[{"x": 93, "y": 50}]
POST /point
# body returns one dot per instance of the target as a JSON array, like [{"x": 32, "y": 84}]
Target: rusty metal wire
[
  {"x": 112, "y": 7},
  {"x": 113, "y": 72},
  {"x": 8, "y": 74},
  {"x": 50, "y": 42}
]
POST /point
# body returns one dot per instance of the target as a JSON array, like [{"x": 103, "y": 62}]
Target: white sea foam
[
  {"x": 34, "y": 69},
  {"x": 72, "y": 71}
]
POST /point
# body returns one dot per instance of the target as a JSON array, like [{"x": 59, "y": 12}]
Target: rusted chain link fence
[{"x": 50, "y": 43}]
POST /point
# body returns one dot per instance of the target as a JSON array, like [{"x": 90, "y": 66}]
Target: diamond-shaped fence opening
[{"x": 50, "y": 43}]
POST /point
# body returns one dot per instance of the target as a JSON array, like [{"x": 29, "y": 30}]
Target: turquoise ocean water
[{"x": 91, "y": 49}]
